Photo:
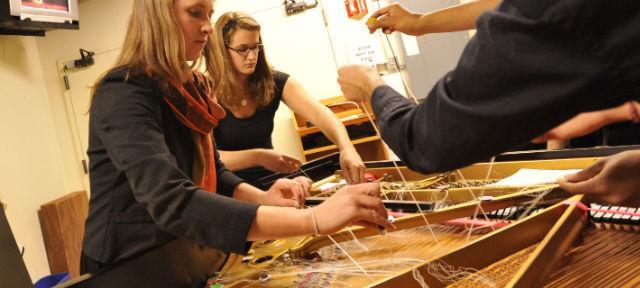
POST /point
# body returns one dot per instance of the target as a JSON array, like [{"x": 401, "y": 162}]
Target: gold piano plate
[{"x": 414, "y": 254}]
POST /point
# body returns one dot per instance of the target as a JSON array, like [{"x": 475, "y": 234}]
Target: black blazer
[{"x": 142, "y": 195}]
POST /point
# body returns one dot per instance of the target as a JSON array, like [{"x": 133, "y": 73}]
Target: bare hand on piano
[
  {"x": 287, "y": 192},
  {"x": 614, "y": 179},
  {"x": 351, "y": 165},
  {"x": 352, "y": 205}
]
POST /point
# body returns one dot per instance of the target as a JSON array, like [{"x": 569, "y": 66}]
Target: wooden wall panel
[{"x": 62, "y": 222}]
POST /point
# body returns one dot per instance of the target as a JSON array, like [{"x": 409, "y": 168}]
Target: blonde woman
[
  {"x": 251, "y": 91},
  {"x": 155, "y": 174}
]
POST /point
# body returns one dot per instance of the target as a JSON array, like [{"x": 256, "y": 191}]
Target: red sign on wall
[{"x": 356, "y": 8}]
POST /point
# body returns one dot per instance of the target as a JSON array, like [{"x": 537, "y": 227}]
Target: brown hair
[
  {"x": 260, "y": 83},
  {"x": 154, "y": 44}
]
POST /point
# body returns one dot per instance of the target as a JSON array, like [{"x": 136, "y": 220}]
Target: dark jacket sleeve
[
  {"x": 128, "y": 116},
  {"x": 227, "y": 180},
  {"x": 523, "y": 73}
]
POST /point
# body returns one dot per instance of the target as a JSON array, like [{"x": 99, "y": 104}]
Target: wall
[
  {"x": 309, "y": 59},
  {"x": 301, "y": 45},
  {"x": 31, "y": 161},
  {"x": 102, "y": 29},
  {"x": 40, "y": 159}
]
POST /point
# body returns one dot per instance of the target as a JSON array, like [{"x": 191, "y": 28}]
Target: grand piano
[{"x": 540, "y": 245}]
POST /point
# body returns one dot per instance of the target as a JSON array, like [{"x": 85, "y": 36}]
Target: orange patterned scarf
[{"x": 195, "y": 107}]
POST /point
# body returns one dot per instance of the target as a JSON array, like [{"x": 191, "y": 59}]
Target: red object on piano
[
  {"x": 369, "y": 178},
  {"x": 478, "y": 223}
]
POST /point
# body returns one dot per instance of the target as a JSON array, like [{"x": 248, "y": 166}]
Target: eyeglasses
[{"x": 244, "y": 50}]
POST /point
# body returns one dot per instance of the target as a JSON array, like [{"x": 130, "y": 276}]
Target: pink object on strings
[
  {"x": 477, "y": 223},
  {"x": 584, "y": 208}
]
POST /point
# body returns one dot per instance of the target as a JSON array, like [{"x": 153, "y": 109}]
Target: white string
[
  {"x": 404, "y": 181},
  {"x": 397, "y": 63},
  {"x": 418, "y": 277},
  {"x": 358, "y": 243},
  {"x": 349, "y": 256},
  {"x": 479, "y": 206}
]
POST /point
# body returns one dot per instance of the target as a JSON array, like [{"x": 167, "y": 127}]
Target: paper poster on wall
[{"x": 368, "y": 52}]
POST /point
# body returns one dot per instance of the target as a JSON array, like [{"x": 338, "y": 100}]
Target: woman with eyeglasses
[{"x": 251, "y": 91}]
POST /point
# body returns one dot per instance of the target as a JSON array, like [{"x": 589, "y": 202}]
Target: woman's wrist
[
  {"x": 281, "y": 222},
  {"x": 634, "y": 111},
  {"x": 344, "y": 144},
  {"x": 246, "y": 192},
  {"x": 260, "y": 155},
  {"x": 423, "y": 24}
]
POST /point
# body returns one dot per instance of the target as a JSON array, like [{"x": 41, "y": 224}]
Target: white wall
[
  {"x": 31, "y": 161},
  {"x": 39, "y": 156},
  {"x": 102, "y": 28}
]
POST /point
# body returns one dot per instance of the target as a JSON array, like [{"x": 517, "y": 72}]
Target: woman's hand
[
  {"x": 352, "y": 205},
  {"x": 614, "y": 179},
  {"x": 351, "y": 165},
  {"x": 287, "y": 192},
  {"x": 305, "y": 183},
  {"x": 394, "y": 18},
  {"x": 279, "y": 162}
]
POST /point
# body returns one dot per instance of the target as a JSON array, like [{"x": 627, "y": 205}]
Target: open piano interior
[{"x": 457, "y": 229}]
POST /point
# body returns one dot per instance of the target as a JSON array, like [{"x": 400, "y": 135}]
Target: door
[{"x": 78, "y": 99}]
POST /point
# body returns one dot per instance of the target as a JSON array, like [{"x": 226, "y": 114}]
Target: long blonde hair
[
  {"x": 260, "y": 83},
  {"x": 154, "y": 44}
]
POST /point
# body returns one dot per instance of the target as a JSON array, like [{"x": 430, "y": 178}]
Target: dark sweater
[
  {"x": 142, "y": 195},
  {"x": 532, "y": 65},
  {"x": 233, "y": 134}
]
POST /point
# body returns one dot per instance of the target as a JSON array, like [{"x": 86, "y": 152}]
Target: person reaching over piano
[
  {"x": 462, "y": 17},
  {"x": 614, "y": 180},
  {"x": 154, "y": 172},
  {"x": 455, "y": 18},
  {"x": 587, "y": 122},
  {"x": 531, "y": 66}
]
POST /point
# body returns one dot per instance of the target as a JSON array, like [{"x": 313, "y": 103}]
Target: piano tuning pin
[
  {"x": 246, "y": 259},
  {"x": 313, "y": 256},
  {"x": 486, "y": 198},
  {"x": 264, "y": 277}
]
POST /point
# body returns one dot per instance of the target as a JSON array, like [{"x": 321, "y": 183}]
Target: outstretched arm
[
  {"x": 460, "y": 17},
  {"x": 299, "y": 100},
  {"x": 588, "y": 122}
]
